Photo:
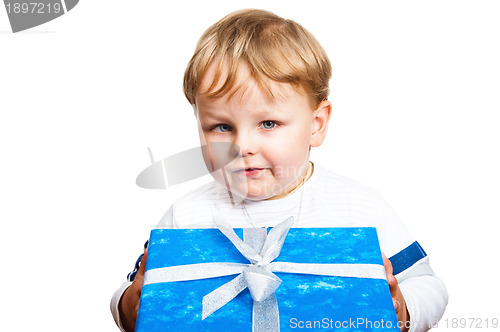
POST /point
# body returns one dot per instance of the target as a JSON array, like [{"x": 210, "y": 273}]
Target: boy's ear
[{"x": 321, "y": 117}]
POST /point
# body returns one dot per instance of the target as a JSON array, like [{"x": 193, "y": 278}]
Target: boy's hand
[
  {"x": 397, "y": 297},
  {"x": 129, "y": 303}
]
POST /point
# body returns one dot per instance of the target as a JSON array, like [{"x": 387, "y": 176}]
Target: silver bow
[{"x": 260, "y": 249}]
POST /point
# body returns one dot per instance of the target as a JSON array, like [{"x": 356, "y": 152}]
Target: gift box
[{"x": 323, "y": 278}]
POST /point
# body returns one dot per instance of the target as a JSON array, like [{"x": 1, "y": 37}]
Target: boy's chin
[
  {"x": 258, "y": 197},
  {"x": 242, "y": 189},
  {"x": 244, "y": 193},
  {"x": 248, "y": 195},
  {"x": 253, "y": 195}
]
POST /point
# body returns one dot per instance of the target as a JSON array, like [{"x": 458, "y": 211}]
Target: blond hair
[{"x": 275, "y": 49}]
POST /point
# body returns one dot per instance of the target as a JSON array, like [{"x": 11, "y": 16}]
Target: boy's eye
[
  {"x": 269, "y": 124},
  {"x": 222, "y": 128}
]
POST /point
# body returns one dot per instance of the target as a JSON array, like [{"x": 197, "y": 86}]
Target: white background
[{"x": 415, "y": 90}]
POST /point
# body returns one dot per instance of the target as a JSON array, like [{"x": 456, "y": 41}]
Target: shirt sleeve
[
  {"x": 167, "y": 221},
  {"x": 115, "y": 300},
  {"x": 425, "y": 294},
  {"x": 392, "y": 233},
  {"x": 426, "y": 298}
]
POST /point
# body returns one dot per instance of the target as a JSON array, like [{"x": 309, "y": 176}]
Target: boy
[{"x": 261, "y": 82}]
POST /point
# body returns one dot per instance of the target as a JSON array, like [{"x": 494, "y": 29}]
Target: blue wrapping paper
[{"x": 304, "y": 301}]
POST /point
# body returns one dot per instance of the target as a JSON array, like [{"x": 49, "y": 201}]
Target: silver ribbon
[{"x": 261, "y": 249}]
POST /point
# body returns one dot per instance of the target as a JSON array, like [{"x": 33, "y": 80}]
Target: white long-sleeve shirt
[{"x": 325, "y": 200}]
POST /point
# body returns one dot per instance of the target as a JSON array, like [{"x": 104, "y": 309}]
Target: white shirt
[{"x": 325, "y": 200}]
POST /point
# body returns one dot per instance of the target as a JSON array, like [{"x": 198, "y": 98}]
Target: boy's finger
[
  {"x": 396, "y": 305},
  {"x": 137, "y": 283},
  {"x": 393, "y": 284},
  {"x": 142, "y": 267},
  {"x": 387, "y": 264}
]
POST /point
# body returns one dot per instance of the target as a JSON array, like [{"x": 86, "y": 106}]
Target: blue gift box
[{"x": 305, "y": 301}]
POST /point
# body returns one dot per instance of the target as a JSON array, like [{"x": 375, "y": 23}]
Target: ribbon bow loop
[
  {"x": 275, "y": 240},
  {"x": 260, "y": 282}
]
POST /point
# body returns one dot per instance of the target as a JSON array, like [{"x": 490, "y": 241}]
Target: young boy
[{"x": 261, "y": 82}]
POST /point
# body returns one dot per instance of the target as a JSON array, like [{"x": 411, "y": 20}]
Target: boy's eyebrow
[{"x": 212, "y": 113}]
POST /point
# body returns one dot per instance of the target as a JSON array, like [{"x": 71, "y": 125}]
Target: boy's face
[{"x": 273, "y": 137}]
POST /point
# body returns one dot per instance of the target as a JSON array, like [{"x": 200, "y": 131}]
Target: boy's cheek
[{"x": 235, "y": 184}]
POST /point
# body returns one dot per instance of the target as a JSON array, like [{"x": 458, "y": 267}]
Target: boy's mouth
[{"x": 249, "y": 171}]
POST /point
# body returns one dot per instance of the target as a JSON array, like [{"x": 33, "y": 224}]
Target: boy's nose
[{"x": 246, "y": 143}]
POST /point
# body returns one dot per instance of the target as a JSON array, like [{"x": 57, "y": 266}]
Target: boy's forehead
[{"x": 245, "y": 86}]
